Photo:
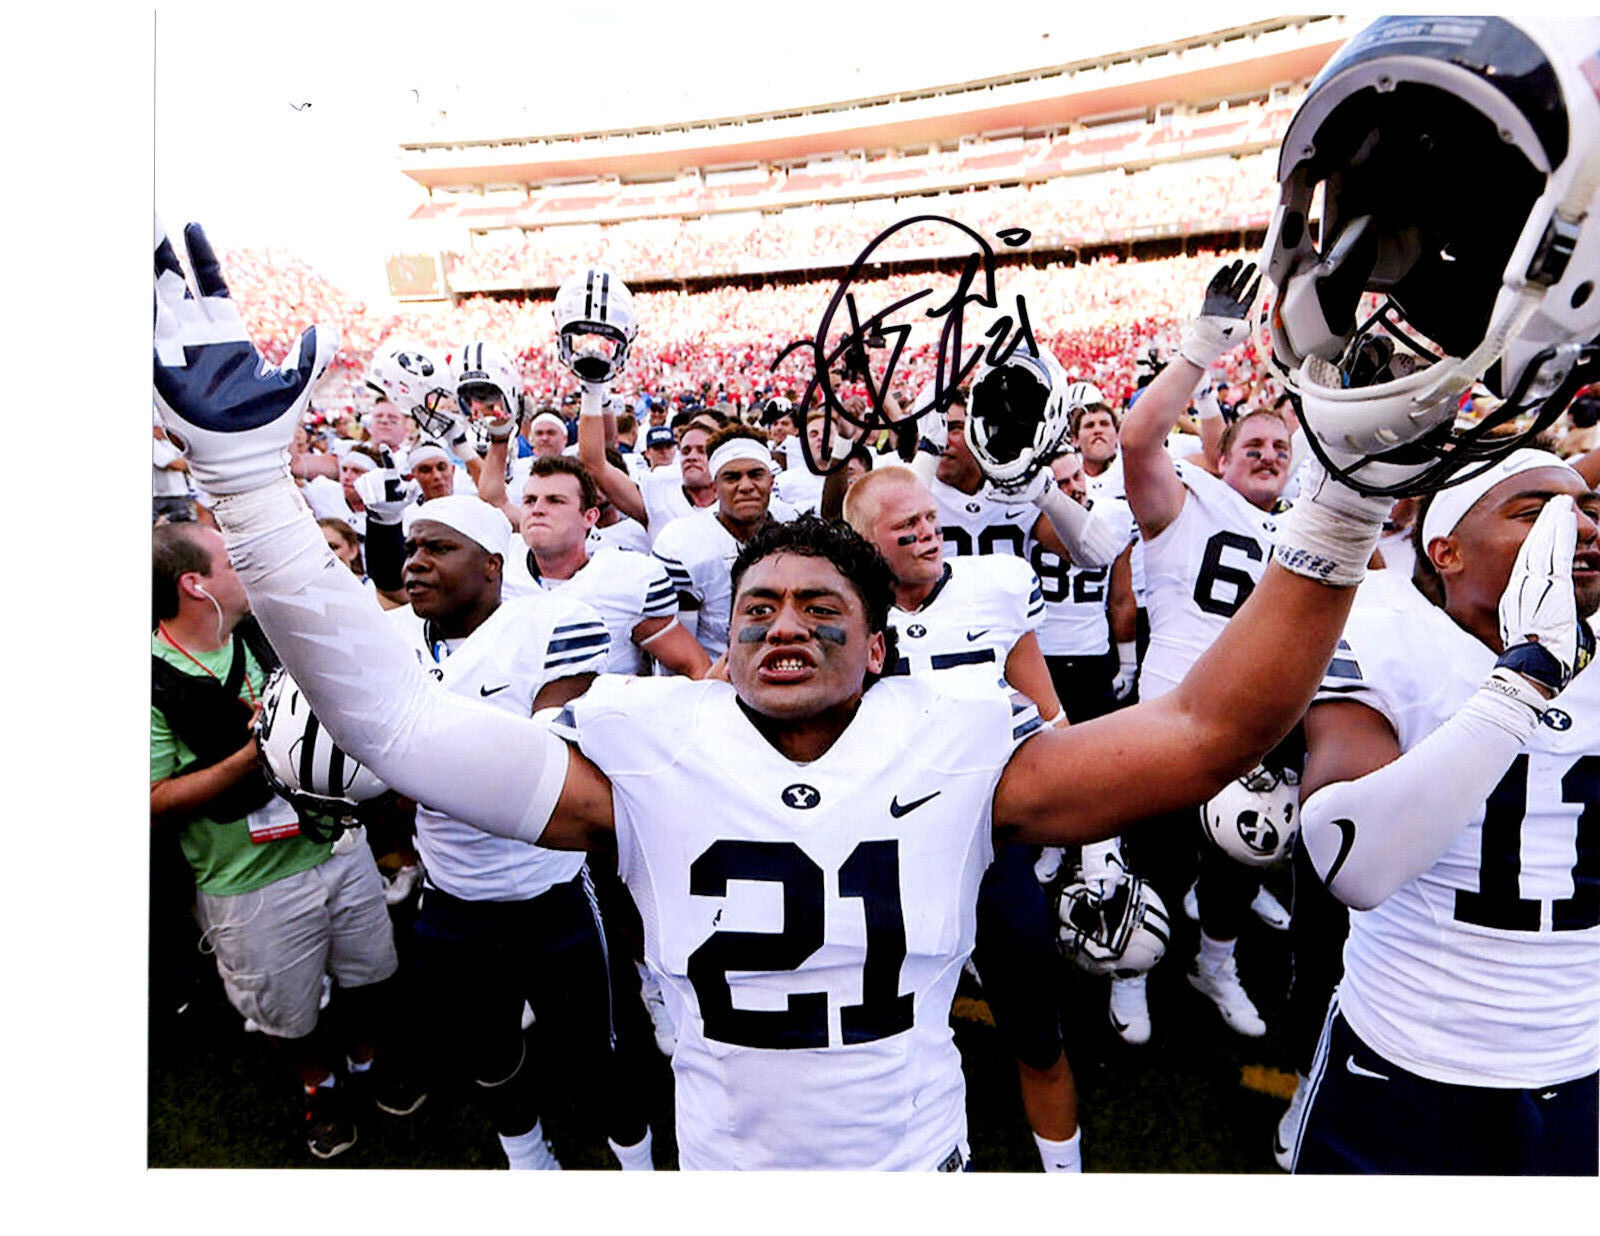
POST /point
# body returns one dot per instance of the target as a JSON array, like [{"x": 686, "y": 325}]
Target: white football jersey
[
  {"x": 699, "y": 552},
  {"x": 1076, "y": 623},
  {"x": 973, "y": 617},
  {"x": 1485, "y": 969},
  {"x": 808, "y": 922},
  {"x": 1108, "y": 486},
  {"x": 664, "y": 499},
  {"x": 1198, "y": 571},
  {"x": 975, "y": 524},
  {"x": 624, "y": 588},
  {"x": 524, "y": 644},
  {"x": 798, "y": 486}
]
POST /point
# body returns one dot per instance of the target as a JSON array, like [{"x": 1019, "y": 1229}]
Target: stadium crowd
[{"x": 813, "y": 719}]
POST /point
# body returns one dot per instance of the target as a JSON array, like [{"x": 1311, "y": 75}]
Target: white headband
[
  {"x": 736, "y": 449},
  {"x": 426, "y": 449},
  {"x": 552, "y": 418},
  {"x": 358, "y": 460},
  {"x": 1449, "y": 506},
  {"x": 469, "y": 515}
]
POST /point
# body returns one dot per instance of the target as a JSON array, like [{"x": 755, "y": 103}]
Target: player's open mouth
[{"x": 785, "y": 667}]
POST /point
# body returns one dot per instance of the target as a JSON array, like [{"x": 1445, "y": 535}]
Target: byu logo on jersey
[
  {"x": 1257, "y": 832},
  {"x": 800, "y": 796},
  {"x": 973, "y": 508},
  {"x": 1556, "y": 719},
  {"x": 916, "y": 630}
]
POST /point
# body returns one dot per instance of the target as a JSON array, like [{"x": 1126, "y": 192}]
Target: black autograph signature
[{"x": 975, "y": 285}]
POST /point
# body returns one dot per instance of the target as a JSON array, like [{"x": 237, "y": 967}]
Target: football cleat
[{"x": 1220, "y": 984}]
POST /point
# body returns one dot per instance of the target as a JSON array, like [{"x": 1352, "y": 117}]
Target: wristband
[{"x": 593, "y": 400}]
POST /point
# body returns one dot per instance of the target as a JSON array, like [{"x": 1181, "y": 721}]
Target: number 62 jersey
[
  {"x": 1485, "y": 969},
  {"x": 808, "y": 921}
]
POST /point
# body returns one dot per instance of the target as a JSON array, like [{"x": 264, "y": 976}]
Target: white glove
[
  {"x": 1204, "y": 399},
  {"x": 230, "y": 413},
  {"x": 1102, "y": 867},
  {"x": 1032, "y": 490},
  {"x": 1331, "y": 530},
  {"x": 1224, "y": 321},
  {"x": 385, "y": 493},
  {"x": 1127, "y": 669},
  {"x": 1543, "y": 637}
]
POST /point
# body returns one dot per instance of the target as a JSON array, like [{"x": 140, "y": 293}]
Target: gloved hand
[
  {"x": 1224, "y": 321},
  {"x": 385, "y": 493},
  {"x": 1127, "y": 669},
  {"x": 230, "y": 413},
  {"x": 1032, "y": 490},
  {"x": 1543, "y": 637},
  {"x": 1102, "y": 867}
]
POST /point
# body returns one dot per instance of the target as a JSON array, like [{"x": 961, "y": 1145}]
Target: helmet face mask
[
  {"x": 1017, "y": 417},
  {"x": 1123, "y": 934},
  {"x": 1423, "y": 281},
  {"x": 595, "y": 324},
  {"x": 413, "y": 378},
  {"x": 488, "y": 389}
]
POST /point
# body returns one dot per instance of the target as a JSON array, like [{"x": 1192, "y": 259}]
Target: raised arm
[
  {"x": 614, "y": 482},
  {"x": 491, "y": 479},
  {"x": 233, "y": 415},
  {"x": 1241, "y": 697},
  {"x": 1154, "y": 491}
]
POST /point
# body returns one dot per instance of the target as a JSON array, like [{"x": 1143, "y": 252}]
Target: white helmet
[
  {"x": 415, "y": 379},
  {"x": 1017, "y": 417},
  {"x": 484, "y": 370},
  {"x": 1084, "y": 395},
  {"x": 1123, "y": 934},
  {"x": 595, "y": 324},
  {"x": 303, "y": 763},
  {"x": 1255, "y": 818},
  {"x": 1459, "y": 161}
]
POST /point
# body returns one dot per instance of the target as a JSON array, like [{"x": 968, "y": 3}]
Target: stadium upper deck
[{"x": 1229, "y": 92}]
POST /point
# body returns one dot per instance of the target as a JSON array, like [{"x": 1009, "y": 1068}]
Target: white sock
[
  {"x": 635, "y": 1158},
  {"x": 1213, "y": 953},
  {"x": 527, "y": 1151},
  {"x": 1064, "y": 1156},
  {"x": 357, "y": 1068}
]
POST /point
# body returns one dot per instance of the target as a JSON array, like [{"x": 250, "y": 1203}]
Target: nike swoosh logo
[
  {"x": 1116, "y": 1023},
  {"x": 1350, "y": 1063},
  {"x": 898, "y": 809},
  {"x": 488, "y": 691},
  {"x": 972, "y": 635},
  {"x": 1347, "y": 838},
  {"x": 1015, "y": 514},
  {"x": 1277, "y": 1146}
]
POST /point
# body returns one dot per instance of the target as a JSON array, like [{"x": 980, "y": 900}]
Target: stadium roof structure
[{"x": 1236, "y": 62}]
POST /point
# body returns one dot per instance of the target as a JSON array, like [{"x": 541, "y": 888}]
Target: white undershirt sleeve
[
  {"x": 1369, "y": 837},
  {"x": 487, "y": 768}
]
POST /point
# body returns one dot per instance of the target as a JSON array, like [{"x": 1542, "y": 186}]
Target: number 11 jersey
[{"x": 808, "y": 921}]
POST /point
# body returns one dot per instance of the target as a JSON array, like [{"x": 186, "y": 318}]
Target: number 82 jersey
[{"x": 808, "y": 921}]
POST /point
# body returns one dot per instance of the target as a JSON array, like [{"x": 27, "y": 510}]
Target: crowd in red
[{"x": 721, "y": 344}]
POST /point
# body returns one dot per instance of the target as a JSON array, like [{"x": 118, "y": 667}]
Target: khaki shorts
[{"x": 273, "y": 945}]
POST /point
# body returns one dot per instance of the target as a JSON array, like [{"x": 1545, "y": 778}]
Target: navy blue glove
[{"x": 224, "y": 407}]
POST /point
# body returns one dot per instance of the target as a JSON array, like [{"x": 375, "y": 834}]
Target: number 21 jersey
[{"x": 808, "y": 921}]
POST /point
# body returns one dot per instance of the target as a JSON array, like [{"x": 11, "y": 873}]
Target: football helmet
[
  {"x": 302, "y": 763},
  {"x": 1084, "y": 395},
  {"x": 1017, "y": 417},
  {"x": 1255, "y": 817},
  {"x": 1458, "y": 160},
  {"x": 415, "y": 379},
  {"x": 595, "y": 324},
  {"x": 1123, "y": 934},
  {"x": 484, "y": 371}
]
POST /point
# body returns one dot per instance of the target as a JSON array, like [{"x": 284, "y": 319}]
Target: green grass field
[{"x": 1197, "y": 1098}]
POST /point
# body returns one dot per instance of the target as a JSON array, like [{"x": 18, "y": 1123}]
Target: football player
[
  {"x": 971, "y": 616},
  {"x": 500, "y": 922},
  {"x": 1207, "y": 541},
  {"x": 699, "y": 549},
  {"x": 631, "y": 592},
  {"x": 1450, "y": 804}
]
